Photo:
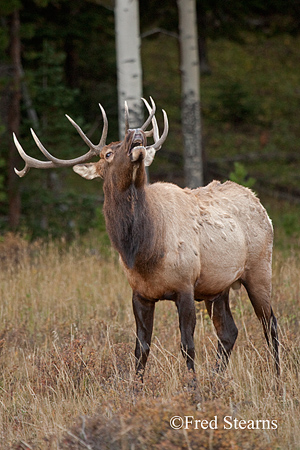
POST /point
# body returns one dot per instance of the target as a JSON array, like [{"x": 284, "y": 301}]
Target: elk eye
[{"x": 108, "y": 155}]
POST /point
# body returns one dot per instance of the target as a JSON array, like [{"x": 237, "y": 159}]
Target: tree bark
[
  {"x": 14, "y": 120},
  {"x": 190, "y": 85},
  {"x": 129, "y": 68}
]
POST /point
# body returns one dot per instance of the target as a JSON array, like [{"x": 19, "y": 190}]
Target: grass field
[{"x": 67, "y": 366}]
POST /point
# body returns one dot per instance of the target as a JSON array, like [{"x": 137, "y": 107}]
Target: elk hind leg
[
  {"x": 259, "y": 292},
  {"x": 226, "y": 329}
]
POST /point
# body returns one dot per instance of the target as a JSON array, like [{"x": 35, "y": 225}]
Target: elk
[{"x": 177, "y": 244}]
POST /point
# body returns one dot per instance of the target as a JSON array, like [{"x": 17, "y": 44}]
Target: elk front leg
[
  {"x": 144, "y": 313},
  {"x": 187, "y": 322}
]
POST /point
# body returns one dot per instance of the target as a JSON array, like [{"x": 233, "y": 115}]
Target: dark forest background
[{"x": 250, "y": 95}]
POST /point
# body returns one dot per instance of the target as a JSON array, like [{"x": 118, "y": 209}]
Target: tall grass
[{"x": 67, "y": 365}]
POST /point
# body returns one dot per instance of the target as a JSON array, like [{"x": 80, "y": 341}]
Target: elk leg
[
  {"x": 219, "y": 312},
  {"x": 259, "y": 293},
  {"x": 187, "y": 322},
  {"x": 144, "y": 313}
]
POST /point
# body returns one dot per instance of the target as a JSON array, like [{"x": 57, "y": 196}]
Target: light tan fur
[{"x": 211, "y": 237}]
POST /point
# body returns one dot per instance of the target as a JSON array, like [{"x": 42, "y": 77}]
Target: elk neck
[{"x": 130, "y": 224}]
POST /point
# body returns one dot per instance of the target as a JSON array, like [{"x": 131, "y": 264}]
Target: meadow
[{"x": 67, "y": 364}]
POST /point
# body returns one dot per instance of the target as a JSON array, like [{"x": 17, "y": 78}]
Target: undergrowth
[{"x": 67, "y": 364}]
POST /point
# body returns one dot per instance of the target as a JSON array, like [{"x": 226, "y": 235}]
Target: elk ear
[{"x": 88, "y": 171}]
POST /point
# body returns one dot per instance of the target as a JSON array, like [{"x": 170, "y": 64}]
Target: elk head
[{"x": 121, "y": 159}]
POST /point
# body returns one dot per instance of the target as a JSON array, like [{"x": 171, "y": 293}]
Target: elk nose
[
  {"x": 138, "y": 136},
  {"x": 138, "y": 153}
]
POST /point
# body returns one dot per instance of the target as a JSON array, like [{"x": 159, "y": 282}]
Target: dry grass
[{"x": 67, "y": 367}]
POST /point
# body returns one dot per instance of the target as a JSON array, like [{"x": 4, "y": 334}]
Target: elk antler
[
  {"x": 158, "y": 141},
  {"x": 151, "y": 114},
  {"x": 56, "y": 162},
  {"x": 148, "y": 121}
]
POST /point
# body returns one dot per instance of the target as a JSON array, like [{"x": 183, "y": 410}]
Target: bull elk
[{"x": 177, "y": 244}]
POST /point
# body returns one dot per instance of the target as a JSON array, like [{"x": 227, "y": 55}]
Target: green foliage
[
  {"x": 68, "y": 57},
  {"x": 51, "y": 207},
  {"x": 228, "y": 19},
  {"x": 52, "y": 213},
  {"x": 290, "y": 223},
  {"x": 240, "y": 176},
  {"x": 51, "y": 96},
  {"x": 8, "y": 6},
  {"x": 234, "y": 103}
]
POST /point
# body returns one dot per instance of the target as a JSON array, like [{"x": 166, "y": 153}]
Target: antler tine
[
  {"x": 151, "y": 113},
  {"x": 29, "y": 161},
  {"x": 92, "y": 147},
  {"x": 154, "y": 130},
  {"x": 80, "y": 132},
  {"x": 158, "y": 143},
  {"x": 126, "y": 117},
  {"x": 54, "y": 162},
  {"x": 95, "y": 149},
  {"x": 102, "y": 141},
  {"x": 61, "y": 162}
]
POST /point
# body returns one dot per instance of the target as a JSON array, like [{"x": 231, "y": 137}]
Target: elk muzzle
[{"x": 137, "y": 151}]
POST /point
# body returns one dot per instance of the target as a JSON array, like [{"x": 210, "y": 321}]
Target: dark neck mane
[{"x": 129, "y": 225}]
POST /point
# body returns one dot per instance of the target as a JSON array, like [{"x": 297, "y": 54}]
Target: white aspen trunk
[
  {"x": 129, "y": 68},
  {"x": 190, "y": 85}
]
